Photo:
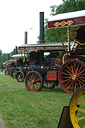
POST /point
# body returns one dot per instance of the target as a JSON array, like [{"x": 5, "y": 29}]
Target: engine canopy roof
[{"x": 67, "y": 19}]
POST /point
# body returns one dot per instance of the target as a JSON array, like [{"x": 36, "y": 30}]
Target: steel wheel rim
[
  {"x": 6, "y": 72},
  {"x": 72, "y": 76},
  {"x": 33, "y": 81},
  {"x": 77, "y": 114}
]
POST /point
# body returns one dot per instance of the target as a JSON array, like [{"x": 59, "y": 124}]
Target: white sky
[{"x": 18, "y": 16}]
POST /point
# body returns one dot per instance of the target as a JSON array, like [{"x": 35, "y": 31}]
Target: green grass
[{"x": 20, "y": 108}]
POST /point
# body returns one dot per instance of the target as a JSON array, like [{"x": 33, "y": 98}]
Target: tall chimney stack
[
  {"x": 25, "y": 37},
  {"x": 42, "y": 27}
]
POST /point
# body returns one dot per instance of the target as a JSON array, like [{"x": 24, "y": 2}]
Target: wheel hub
[
  {"x": 74, "y": 77},
  {"x": 19, "y": 76},
  {"x": 32, "y": 82}
]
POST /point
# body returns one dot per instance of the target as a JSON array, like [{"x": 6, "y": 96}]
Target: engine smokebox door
[{"x": 52, "y": 75}]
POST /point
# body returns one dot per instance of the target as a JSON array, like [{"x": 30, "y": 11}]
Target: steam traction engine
[
  {"x": 42, "y": 65},
  {"x": 72, "y": 72},
  {"x": 13, "y": 67},
  {"x": 8, "y": 65}
]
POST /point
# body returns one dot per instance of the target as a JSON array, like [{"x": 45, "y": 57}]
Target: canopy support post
[
  {"x": 59, "y": 38},
  {"x": 24, "y": 56},
  {"x": 68, "y": 38}
]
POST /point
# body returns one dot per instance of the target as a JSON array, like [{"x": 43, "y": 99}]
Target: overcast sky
[{"x": 18, "y": 16}]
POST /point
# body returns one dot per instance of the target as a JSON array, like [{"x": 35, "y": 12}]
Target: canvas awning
[{"x": 67, "y": 19}]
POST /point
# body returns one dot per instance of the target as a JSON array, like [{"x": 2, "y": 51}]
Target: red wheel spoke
[
  {"x": 30, "y": 77},
  {"x": 34, "y": 76},
  {"x": 81, "y": 72},
  {"x": 75, "y": 87},
  {"x": 76, "y": 69},
  {"x": 83, "y": 79},
  {"x": 69, "y": 86},
  {"x": 72, "y": 69},
  {"x": 68, "y": 68},
  {"x": 65, "y": 73},
  {"x": 37, "y": 85},
  {"x": 82, "y": 75},
  {"x": 29, "y": 84},
  {"x": 66, "y": 80},
  {"x": 37, "y": 80},
  {"x": 67, "y": 77},
  {"x": 81, "y": 82},
  {"x": 74, "y": 66},
  {"x": 80, "y": 85},
  {"x": 80, "y": 68},
  {"x": 72, "y": 85},
  {"x": 34, "y": 86},
  {"x": 68, "y": 72},
  {"x": 67, "y": 83}
]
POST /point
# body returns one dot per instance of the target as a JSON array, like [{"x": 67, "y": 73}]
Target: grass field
[{"x": 20, "y": 108}]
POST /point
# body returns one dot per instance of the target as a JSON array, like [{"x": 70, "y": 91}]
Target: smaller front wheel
[
  {"x": 50, "y": 85},
  {"x": 34, "y": 81},
  {"x": 20, "y": 76},
  {"x": 13, "y": 74}
]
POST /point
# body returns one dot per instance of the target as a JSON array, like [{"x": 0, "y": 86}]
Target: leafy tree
[
  {"x": 0, "y": 52},
  {"x": 66, "y": 6}
]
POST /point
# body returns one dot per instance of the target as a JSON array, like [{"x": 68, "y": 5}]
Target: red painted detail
[
  {"x": 52, "y": 75},
  {"x": 66, "y": 22}
]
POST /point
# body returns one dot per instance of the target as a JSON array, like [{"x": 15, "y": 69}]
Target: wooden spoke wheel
[
  {"x": 20, "y": 76},
  {"x": 13, "y": 74},
  {"x": 48, "y": 85},
  {"x": 34, "y": 81},
  {"x": 6, "y": 72},
  {"x": 72, "y": 75},
  {"x": 10, "y": 73},
  {"x": 77, "y": 108}
]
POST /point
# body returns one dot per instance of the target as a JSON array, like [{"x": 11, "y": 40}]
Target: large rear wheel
[
  {"x": 34, "y": 81},
  {"x": 77, "y": 108},
  {"x": 72, "y": 75}
]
